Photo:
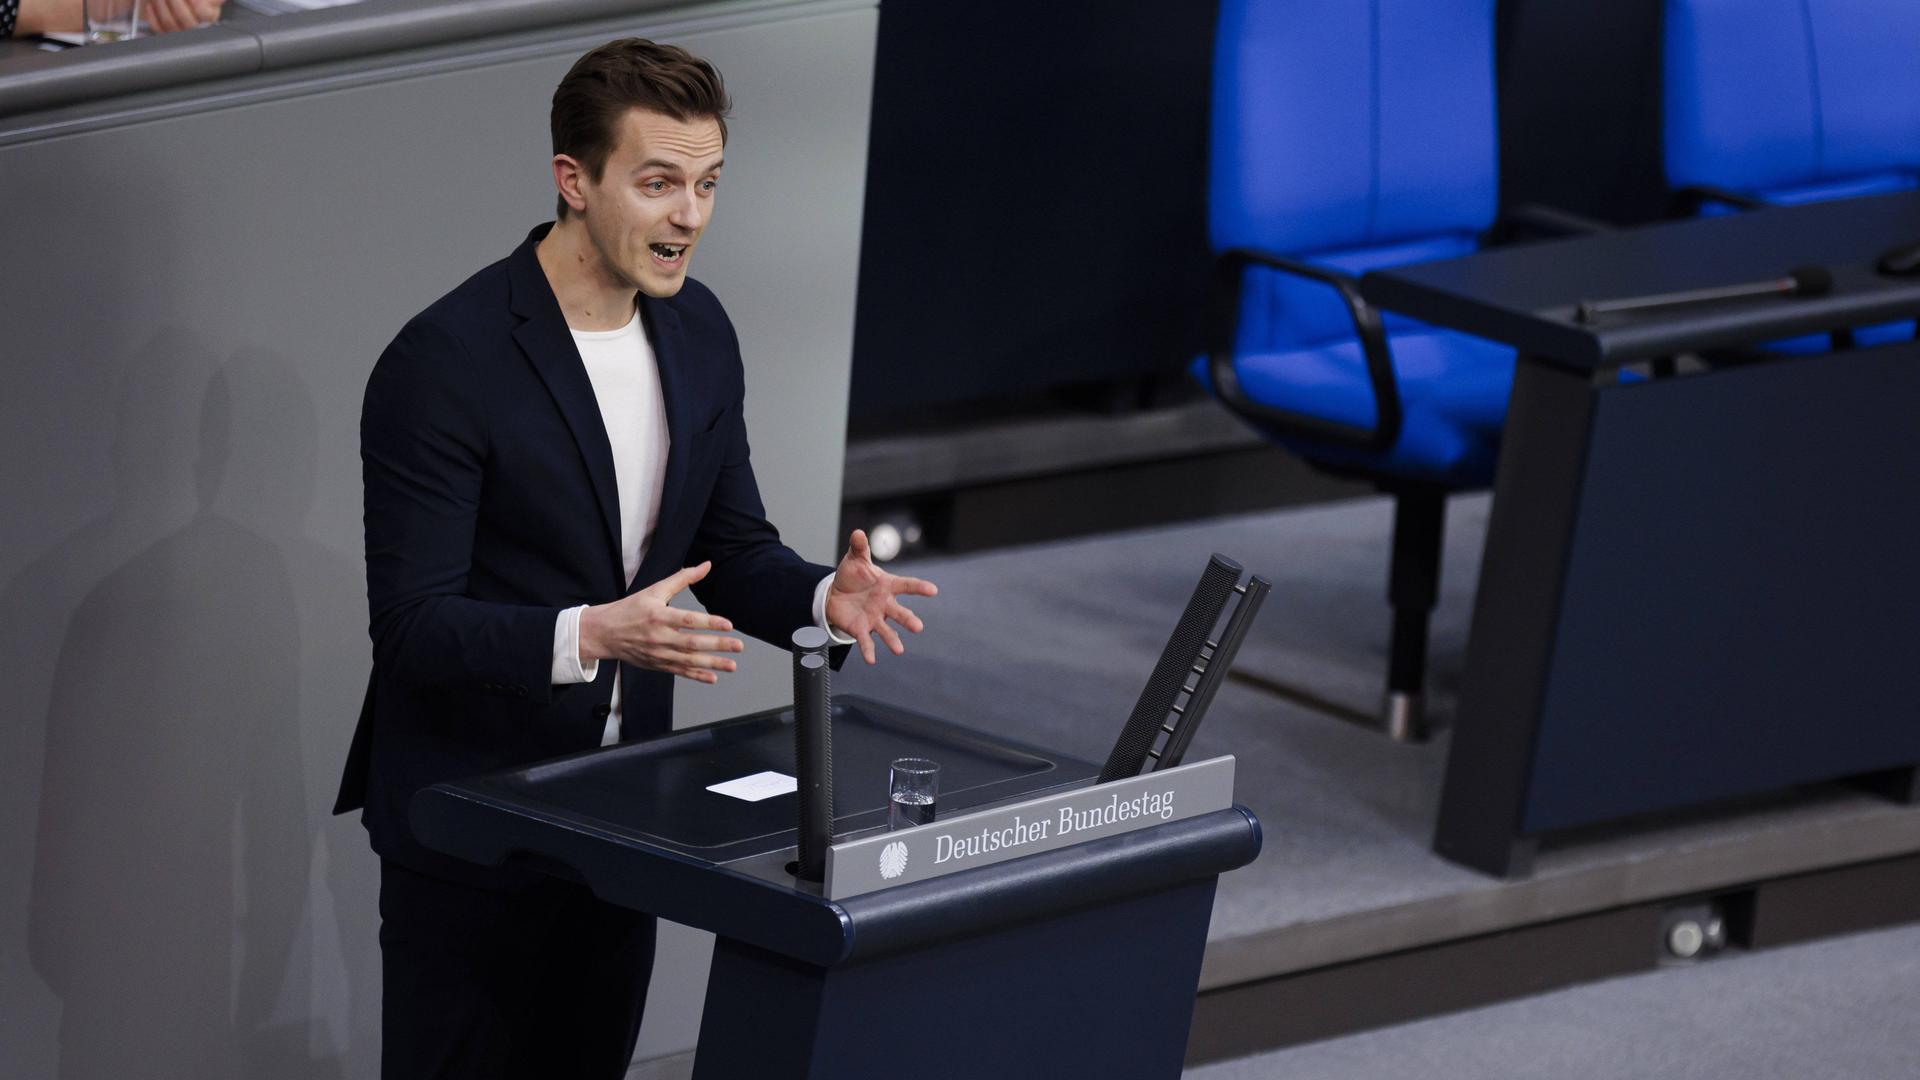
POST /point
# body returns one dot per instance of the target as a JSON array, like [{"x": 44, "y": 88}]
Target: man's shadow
[
  {"x": 175, "y": 833},
  {"x": 152, "y": 419}
]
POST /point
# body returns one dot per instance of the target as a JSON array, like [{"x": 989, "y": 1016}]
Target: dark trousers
[{"x": 547, "y": 982}]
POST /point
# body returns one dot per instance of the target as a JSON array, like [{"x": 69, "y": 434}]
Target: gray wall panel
[{"x": 191, "y": 304}]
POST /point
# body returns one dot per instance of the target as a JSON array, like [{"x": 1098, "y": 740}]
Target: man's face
[{"x": 653, "y": 200}]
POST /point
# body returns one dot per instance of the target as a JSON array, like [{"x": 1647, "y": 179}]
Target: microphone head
[{"x": 1811, "y": 280}]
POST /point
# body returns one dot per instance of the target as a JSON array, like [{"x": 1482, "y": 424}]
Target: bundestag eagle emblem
[{"x": 893, "y": 860}]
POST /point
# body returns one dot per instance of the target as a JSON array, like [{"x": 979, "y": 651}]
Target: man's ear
[{"x": 569, "y": 178}]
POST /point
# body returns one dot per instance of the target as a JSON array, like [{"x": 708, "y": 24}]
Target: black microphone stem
[
  {"x": 813, "y": 749},
  {"x": 1592, "y": 309},
  {"x": 1803, "y": 281}
]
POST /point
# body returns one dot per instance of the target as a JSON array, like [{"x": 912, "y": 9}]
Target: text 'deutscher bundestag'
[{"x": 884, "y": 860}]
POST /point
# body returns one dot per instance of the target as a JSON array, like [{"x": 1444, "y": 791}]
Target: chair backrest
[
  {"x": 1348, "y": 132},
  {"x": 1793, "y": 100},
  {"x": 1347, "y": 123}
]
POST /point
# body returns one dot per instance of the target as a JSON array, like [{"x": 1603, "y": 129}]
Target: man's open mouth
[{"x": 667, "y": 252}]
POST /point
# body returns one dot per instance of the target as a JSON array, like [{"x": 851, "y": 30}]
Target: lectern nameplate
[{"x": 886, "y": 859}]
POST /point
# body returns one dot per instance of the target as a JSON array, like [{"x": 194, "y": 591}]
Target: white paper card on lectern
[{"x": 761, "y": 785}]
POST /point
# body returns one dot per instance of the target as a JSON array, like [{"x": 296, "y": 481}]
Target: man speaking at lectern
[{"x": 552, "y": 452}]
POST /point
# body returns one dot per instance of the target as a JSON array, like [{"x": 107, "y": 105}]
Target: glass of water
[
  {"x": 912, "y": 786},
  {"x": 111, "y": 20}
]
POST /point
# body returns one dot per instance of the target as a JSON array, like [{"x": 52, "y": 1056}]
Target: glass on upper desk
[
  {"x": 111, "y": 20},
  {"x": 913, "y": 786}
]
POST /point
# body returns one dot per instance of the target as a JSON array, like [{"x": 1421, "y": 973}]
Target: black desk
[{"x": 1695, "y": 586}]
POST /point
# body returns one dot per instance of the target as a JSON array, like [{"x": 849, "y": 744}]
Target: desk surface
[
  {"x": 1525, "y": 295},
  {"x": 15, "y": 49},
  {"x": 658, "y": 792},
  {"x": 245, "y": 44}
]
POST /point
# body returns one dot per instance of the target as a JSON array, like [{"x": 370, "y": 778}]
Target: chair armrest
[
  {"x": 1223, "y": 328},
  {"x": 1688, "y": 200},
  {"x": 1517, "y": 222}
]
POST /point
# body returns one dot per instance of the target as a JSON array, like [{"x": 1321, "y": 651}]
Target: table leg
[
  {"x": 1535, "y": 505},
  {"x": 1901, "y": 785}
]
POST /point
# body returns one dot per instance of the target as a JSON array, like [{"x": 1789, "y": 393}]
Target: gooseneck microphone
[
  {"x": 1801, "y": 281},
  {"x": 813, "y": 749}
]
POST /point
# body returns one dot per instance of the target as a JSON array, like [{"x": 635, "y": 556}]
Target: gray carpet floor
[
  {"x": 1837, "y": 1009},
  {"x": 1053, "y": 642}
]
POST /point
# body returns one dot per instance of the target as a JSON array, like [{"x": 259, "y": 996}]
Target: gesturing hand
[
  {"x": 863, "y": 597},
  {"x": 644, "y": 631}
]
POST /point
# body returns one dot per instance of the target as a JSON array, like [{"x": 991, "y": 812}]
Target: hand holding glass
[{"x": 912, "y": 786}]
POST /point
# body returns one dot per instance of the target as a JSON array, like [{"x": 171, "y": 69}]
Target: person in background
[{"x": 25, "y": 17}]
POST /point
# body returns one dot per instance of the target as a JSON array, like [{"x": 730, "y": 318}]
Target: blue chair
[
  {"x": 1784, "y": 102},
  {"x": 1347, "y": 136}
]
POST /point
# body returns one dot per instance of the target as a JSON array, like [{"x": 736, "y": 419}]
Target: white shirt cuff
[
  {"x": 820, "y": 613},
  {"x": 566, "y": 650}
]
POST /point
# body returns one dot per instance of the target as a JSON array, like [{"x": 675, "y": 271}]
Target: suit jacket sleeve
[{"x": 423, "y": 451}]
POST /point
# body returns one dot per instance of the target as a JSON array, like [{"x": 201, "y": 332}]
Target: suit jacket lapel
[
  {"x": 676, "y": 387},
  {"x": 677, "y": 391},
  {"x": 544, "y": 337}
]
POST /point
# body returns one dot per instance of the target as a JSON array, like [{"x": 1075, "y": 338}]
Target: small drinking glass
[
  {"x": 912, "y": 786},
  {"x": 111, "y": 20}
]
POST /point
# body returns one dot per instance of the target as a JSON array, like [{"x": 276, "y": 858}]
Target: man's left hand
[{"x": 863, "y": 597}]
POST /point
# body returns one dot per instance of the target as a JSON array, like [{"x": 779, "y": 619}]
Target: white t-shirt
[{"x": 626, "y": 383}]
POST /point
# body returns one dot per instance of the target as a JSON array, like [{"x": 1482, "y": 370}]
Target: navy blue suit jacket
[{"x": 491, "y": 506}]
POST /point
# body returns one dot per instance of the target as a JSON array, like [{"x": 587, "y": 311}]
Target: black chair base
[
  {"x": 1403, "y": 717},
  {"x": 1413, "y": 587}
]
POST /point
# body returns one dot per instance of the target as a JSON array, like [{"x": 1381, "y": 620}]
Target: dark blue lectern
[{"x": 1079, "y": 961}]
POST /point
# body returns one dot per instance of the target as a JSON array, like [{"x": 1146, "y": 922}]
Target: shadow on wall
[{"x": 175, "y": 833}]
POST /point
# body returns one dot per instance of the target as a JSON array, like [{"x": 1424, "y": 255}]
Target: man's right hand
[{"x": 644, "y": 630}]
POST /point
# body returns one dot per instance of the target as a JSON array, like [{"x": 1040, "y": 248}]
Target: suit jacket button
[{"x": 602, "y": 711}]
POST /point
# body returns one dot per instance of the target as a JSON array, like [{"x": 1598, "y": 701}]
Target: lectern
[{"x": 1081, "y": 959}]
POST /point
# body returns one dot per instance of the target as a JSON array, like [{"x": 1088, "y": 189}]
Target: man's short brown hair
[{"x": 631, "y": 73}]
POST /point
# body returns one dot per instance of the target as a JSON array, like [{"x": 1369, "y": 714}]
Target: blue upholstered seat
[
  {"x": 1453, "y": 391},
  {"x": 1350, "y": 135},
  {"x": 1793, "y": 100},
  {"x": 1355, "y": 135},
  {"x": 1787, "y": 102}
]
